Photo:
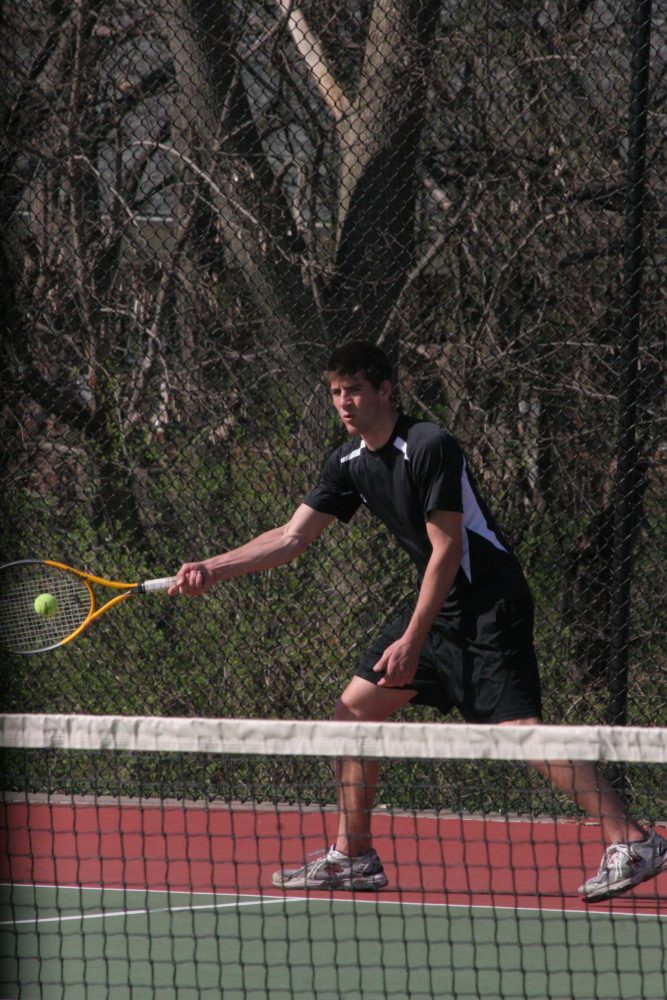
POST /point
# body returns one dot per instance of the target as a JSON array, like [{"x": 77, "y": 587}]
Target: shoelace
[
  {"x": 610, "y": 854},
  {"x": 316, "y": 859}
]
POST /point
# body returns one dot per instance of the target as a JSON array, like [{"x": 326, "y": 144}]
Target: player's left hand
[{"x": 398, "y": 663}]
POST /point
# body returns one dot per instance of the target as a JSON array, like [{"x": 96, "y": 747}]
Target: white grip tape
[{"x": 162, "y": 584}]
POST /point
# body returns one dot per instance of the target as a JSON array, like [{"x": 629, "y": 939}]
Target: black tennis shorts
[{"x": 482, "y": 663}]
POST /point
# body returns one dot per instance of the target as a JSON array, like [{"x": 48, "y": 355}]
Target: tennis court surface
[{"x": 137, "y": 859}]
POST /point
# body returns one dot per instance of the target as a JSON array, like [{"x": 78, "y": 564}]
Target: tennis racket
[{"x": 45, "y": 604}]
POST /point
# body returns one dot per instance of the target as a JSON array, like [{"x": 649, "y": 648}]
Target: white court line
[
  {"x": 247, "y": 899},
  {"x": 107, "y": 914},
  {"x": 536, "y": 911},
  {"x": 144, "y": 890}
]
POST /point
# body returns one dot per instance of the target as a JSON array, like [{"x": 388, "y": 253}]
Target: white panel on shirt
[{"x": 473, "y": 520}]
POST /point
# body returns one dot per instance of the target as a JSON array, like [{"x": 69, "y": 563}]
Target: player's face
[{"x": 359, "y": 405}]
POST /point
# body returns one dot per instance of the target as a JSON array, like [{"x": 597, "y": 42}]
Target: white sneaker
[
  {"x": 333, "y": 870},
  {"x": 625, "y": 865}
]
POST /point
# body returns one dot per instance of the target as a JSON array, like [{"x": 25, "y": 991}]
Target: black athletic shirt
[{"x": 421, "y": 469}]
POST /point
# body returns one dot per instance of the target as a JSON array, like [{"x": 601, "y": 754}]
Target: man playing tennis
[{"x": 468, "y": 641}]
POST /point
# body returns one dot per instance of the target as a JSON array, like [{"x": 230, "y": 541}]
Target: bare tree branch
[{"x": 310, "y": 49}]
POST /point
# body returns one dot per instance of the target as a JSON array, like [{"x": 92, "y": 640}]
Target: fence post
[{"x": 627, "y": 447}]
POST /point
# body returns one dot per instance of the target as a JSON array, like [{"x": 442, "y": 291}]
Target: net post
[{"x": 628, "y": 472}]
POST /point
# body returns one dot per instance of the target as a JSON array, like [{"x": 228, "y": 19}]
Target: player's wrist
[
  {"x": 210, "y": 571},
  {"x": 215, "y": 570},
  {"x": 415, "y": 638}
]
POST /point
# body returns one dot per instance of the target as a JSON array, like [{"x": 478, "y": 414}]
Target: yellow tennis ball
[{"x": 45, "y": 605}]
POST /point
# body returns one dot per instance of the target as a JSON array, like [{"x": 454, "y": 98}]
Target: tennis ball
[{"x": 45, "y": 605}]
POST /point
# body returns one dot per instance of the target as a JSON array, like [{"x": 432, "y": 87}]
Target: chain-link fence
[{"x": 201, "y": 197}]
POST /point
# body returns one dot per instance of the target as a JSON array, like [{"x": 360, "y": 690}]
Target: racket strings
[{"x": 22, "y": 629}]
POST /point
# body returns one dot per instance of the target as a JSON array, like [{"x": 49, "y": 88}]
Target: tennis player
[{"x": 467, "y": 642}]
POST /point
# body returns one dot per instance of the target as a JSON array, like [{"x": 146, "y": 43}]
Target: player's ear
[{"x": 386, "y": 388}]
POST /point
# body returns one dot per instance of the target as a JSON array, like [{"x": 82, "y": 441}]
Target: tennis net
[{"x": 138, "y": 859}]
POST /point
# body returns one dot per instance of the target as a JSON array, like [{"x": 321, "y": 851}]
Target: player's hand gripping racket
[{"x": 45, "y": 604}]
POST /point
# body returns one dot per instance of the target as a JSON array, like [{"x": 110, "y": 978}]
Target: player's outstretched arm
[{"x": 266, "y": 551}]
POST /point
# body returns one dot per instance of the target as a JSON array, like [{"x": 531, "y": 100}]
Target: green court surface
[{"x": 76, "y": 943}]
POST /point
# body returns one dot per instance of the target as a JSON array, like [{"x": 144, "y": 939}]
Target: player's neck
[{"x": 381, "y": 432}]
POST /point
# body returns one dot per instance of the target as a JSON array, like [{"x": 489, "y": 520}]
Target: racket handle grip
[{"x": 151, "y": 586}]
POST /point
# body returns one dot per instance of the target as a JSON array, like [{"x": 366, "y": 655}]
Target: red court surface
[{"x": 513, "y": 863}]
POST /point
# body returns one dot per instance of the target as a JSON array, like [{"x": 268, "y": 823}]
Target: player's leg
[
  {"x": 634, "y": 854},
  {"x": 356, "y": 779},
  {"x": 585, "y": 784},
  {"x": 507, "y": 685},
  {"x": 351, "y": 862}
]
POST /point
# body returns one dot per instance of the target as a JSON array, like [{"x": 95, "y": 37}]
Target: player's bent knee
[
  {"x": 348, "y": 709},
  {"x": 362, "y": 701}
]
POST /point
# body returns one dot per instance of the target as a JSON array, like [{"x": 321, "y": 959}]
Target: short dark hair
[{"x": 360, "y": 356}]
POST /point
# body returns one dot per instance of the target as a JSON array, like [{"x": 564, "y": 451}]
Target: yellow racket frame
[
  {"x": 89, "y": 581},
  {"x": 130, "y": 589}
]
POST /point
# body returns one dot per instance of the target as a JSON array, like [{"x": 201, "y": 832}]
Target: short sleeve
[
  {"x": 334, "y": 493},
  {"x": 436, "y": 465}
]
